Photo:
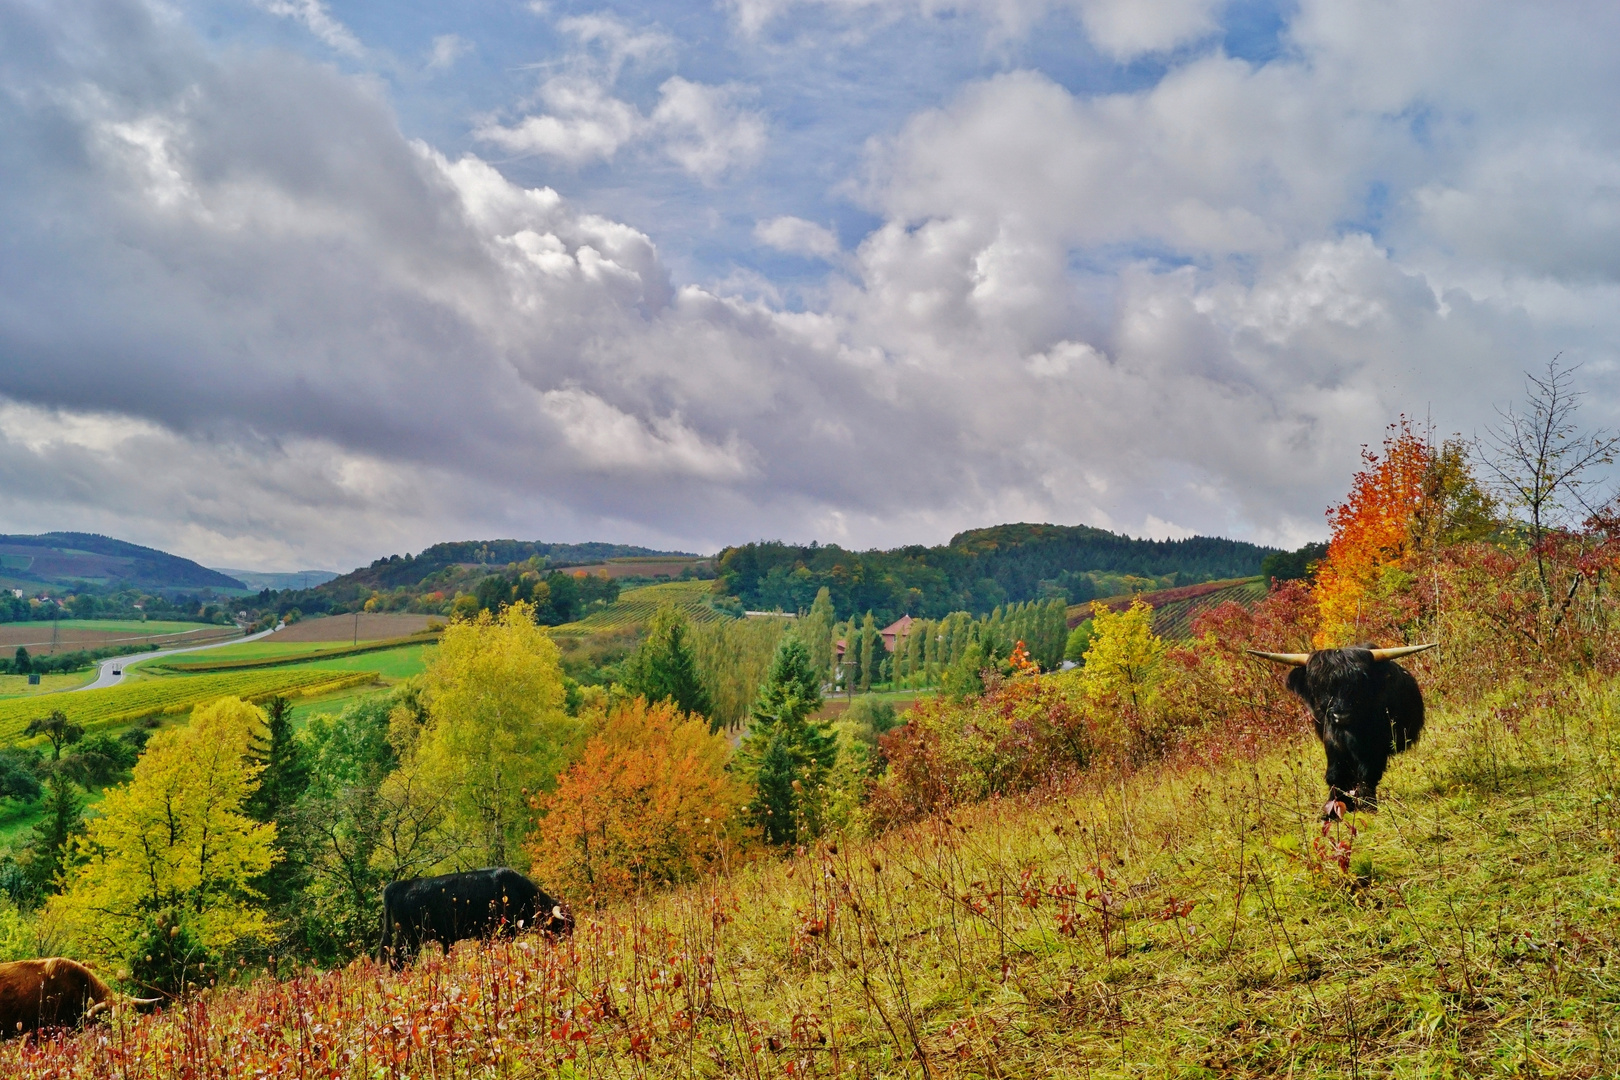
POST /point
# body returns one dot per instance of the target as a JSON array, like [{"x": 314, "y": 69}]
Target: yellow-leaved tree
[
  {"x": 165, "y": 888},
  {"x": 1120, "y": 679},
  {"x": 495, "y": 733}
]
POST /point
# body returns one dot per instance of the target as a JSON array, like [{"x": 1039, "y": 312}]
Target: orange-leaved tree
[
  {"x": 1372, "y": 531},
  {"x": 648, "y": 803}
]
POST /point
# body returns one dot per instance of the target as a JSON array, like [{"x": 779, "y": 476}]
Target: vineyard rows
[
  {"x": 1174, "y": 609},
  {"x": 93, "y": 709},
  {"x": 635, "y": 606}
]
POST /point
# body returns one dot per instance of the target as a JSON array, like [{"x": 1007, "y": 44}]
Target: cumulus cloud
[
  {"x": 447, "y": 49},
  {"x": 707, "y": 130},
  {"x": 236, "y": 296}
]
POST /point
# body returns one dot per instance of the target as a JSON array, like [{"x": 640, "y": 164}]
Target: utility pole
[{"x": 357, "y": 627}]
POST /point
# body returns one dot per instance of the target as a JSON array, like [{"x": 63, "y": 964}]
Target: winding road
[{"x": 112, "y": 671}]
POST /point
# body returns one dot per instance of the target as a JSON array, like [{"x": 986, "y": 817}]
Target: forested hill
[
  {"x": 60, "y": 558},
  {"x": 977, "y": 570},
  {"x": 411, "y": 570}
]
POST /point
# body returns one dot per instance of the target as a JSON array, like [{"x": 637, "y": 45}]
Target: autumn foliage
[
  {"x": 1372, "y": 531},
  {"x": 648, "y": 803}
]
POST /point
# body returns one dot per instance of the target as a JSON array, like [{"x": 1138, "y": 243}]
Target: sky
[{"x": 301, "y": 283}]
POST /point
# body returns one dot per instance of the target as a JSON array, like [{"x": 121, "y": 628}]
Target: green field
[
  {"x": 16, "y": 686},
  {"x": 635, "y": 606},
  {"x": 391, "y": 666},
  {"x": 116, "y": 705},
  {"x": 258, "y": 654}
]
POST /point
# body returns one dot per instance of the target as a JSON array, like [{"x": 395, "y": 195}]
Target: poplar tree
[{"x": 870, "y": 655}]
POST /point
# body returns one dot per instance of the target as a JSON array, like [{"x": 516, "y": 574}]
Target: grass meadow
[{"x": 1194, "y": 919}]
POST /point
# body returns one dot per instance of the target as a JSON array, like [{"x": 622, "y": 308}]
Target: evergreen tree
[
  {"x": 787, "y": 757},
  {"x": 53, "y": 836},
  {"x": 285, "y": 775},
  {"x": 665, "y": 669},
  {"x": 21, "y": 664}
]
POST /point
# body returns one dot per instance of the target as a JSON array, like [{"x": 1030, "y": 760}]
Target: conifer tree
[
  {"x": 665, "y": 669},
  {"x": 786, "y": 756},
  {"x": 817, "y": 630}
]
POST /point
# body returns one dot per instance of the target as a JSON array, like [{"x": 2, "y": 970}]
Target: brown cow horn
[
  {"x": 1293, "y": 659},
  {"x": 1403, "y": 650}
]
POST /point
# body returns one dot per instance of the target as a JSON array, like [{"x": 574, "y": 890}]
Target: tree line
[{"x": 976, "y": 572}]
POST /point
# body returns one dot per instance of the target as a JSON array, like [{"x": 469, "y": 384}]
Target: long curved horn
[
  {"x": 1292, "y": 659},
  {"x": 1403, "y": 650}
]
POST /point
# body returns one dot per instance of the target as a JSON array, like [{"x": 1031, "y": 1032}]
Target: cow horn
[
  {"x": 1293, "y": 659},
  {"x": 1402, "y": 650}
]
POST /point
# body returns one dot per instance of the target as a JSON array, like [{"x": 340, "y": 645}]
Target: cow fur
[
  {"x": 454, "y": 907},
  {"x": 50, "y": 993},
  {"x": 1364, "y": 710}
]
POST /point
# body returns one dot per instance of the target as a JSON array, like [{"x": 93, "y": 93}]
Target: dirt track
[{"x": 371, "y": 627}]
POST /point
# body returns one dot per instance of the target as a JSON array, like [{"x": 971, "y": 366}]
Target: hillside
[
  {"x": 1174, "y": 609},
  {"x": 64, "y": 558},
  {"x": 1190, "y": 921},
  {"x": 412, "y": 570},
  {"x": 977, "y": 571}
]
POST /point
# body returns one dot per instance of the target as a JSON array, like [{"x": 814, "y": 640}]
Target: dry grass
[
  {"x": 1192, "y": 921},
  {"x": 366, "y": 626}
]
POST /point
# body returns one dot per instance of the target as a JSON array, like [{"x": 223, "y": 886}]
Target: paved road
[{"x": 112, "y": 671}]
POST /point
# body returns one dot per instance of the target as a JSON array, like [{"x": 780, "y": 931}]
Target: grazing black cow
[
  {"x": 1366, "y": 707},
  {"x": 453, "y": 907}
]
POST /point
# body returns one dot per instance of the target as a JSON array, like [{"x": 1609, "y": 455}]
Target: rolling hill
[{"x": 62, "y": 558}]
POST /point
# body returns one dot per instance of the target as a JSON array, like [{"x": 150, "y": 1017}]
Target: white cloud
[
  {"x": 584, "y": 124},
  {"x": 797, "y": 236},
  {"x": 314, "y": 15},
  {"x": 1126, "y": 29},
  {"x": 1182, "y": 307},
  {"x": 447, "y": 49},
  {"x": 706, "y": 129}
]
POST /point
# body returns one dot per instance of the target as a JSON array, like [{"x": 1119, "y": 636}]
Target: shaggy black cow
[
  {"x": 1365, "y": 706},
  {"x": 453, "y": 907}
]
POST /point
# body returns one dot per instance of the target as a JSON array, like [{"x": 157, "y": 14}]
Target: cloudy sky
[{"x": 304, "y": 282}]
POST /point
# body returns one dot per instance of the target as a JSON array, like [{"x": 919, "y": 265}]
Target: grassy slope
[
  {"x": 128, "y": 626},
  {"x": 1171, "y": 924}
]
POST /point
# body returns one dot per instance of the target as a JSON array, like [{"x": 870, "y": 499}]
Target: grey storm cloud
[{"x": 242, "y": 312}]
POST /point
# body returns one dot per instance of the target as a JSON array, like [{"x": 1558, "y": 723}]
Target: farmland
[
  {"x": 116, "y": 705},
  {"x": 72, "y": 635},
  {"x": 635, "y": 606}
]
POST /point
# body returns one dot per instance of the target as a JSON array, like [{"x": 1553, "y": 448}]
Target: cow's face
[{"x": 557, "y": 921}]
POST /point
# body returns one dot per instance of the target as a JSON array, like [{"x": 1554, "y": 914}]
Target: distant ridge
[
  {"x": 276, "y": 580},
  {"x": 61, "y": 558},
  {"x": 411, "y": 570}
]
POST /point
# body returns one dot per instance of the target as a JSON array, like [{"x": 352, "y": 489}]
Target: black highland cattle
[
  {"x": 1365, "y": 706},
  {"x": 453, "y": 907}
]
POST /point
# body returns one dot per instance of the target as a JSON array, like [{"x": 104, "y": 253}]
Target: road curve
[{"x": 112, "y": 671}]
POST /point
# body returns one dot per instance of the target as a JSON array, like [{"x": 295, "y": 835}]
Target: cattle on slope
[
  {"x": 53, "y": 993},
  {"x": 453, "y": 907},
  {"x": 1365, "y": 708}
]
